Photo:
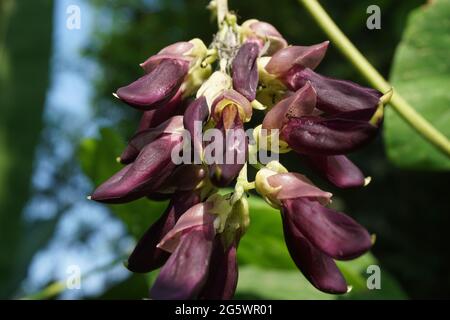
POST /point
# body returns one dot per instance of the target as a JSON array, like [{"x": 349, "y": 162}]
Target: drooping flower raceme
[{"x": 196, "y": 102}]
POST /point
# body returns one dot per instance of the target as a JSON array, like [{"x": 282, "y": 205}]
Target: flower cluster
[{"x": 247, "y": 68}]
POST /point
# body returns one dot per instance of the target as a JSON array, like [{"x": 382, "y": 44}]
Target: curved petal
[
  {"x": 196, "y": 216},
  {"x": 317, "y": 267},
  {"x": 223, "y": 273},
  {"x": 230, "y": 98},
  {"x": 173, "y": 51},
  {"x": 173, "y": 125},
  {"x": 185, "y": 273},
  {"x": 266, "y": 32},
  {"x": 336, "y": 96},
  {"x": 245, "y": 70},
  {"x": 294, "y": 185},
  {"x": 156, "y": 87},
  {"x": 146, "y": 174},
  {"x": 234, "y": 146},
  {"x": 184, "y": 178},
  {"x": 197, "y": 113},
  {"x": 334, "y": 233},
  {"x": 339, "y": 170},
  {"x": 319, "y": 136},
  {"x": 146, "y": 256},
  {"x": 301, "y": 103},
  {"x": 153, "y": 118},
  {"x": 301, "y": 56}
]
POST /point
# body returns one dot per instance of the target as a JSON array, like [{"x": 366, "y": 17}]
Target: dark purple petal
[
  {"x": 197, "y": 113},
  {"x": 264, "y": 31},
  {"x": 174, "y": 51},
  {"x": 291, "y": 185},
  {"x": 337, "y": 96},
  {"x": 184, "y": 178},
  {"x": 146, "y": 256},
  {"x": 153, "y": 118},
  {"x": 156, "y": 87},
  {"x": 298, "y": 104},
  {"x": 158, "y": 196},
  {"x": 318, "y": 268},
  {"x": 231, "y": 98},
  {"x": 234, "y": 148},
  {"x": 186, "y": 271},
  {"x": 245, "y": 70},
  {"x": 195, "y": 216},
  {"x": 332, "y": 232},
  {"x": 300, "y": 56},
  {"x": 339, "y": 170},
  {"x": 319, "y": 136},
  {"x": 145, "y": 175},
  {"x": 223, "y": 273},
  {"x": 142, "y": 138}
]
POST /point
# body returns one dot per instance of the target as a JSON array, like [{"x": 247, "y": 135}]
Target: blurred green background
[{"x": 60, "y": 131}]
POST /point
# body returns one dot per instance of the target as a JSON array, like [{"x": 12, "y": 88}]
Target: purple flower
[
  {"x": 157, "y": 87},
  {"x": 196, "y": 112},
  {"x": 234, "y": 151},
  {"x": 165, "y": 74},
  {"x": 173, "y": 125},
  {"x": 186, "y": 271},
  {"x": 153, "y": 118},
  {"x": 177, "y": 51},
  {"x": 145, "y": 175},
  {"x": 300, "y": 103},
  {"x": 339, "y": 170},
  {"x": 185, "y": 177},
  {"x": 202, "y": 263},
  {"x": 230, "y": 110},
  {"x": 191, "y": 244},
  {"x": 261, "y": 32},
  {"x": 245, "y": 70},
  {"x": 323, "y": 120},
  {"x": 223, "y": 273},
  {"x": 340, "y": 98},
  {"x": 146, "y": 256},
  {"x": 314, "y": 135},
  {"x": 314, "y": 233},
  {"x": 282, "y": 62},
  {"x": 189, "y": 88},
  {"x": 317, "y": 267}
]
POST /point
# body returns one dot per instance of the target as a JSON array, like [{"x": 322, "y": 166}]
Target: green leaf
[
  {"x": 97, "y": 158},
  {"x": 420, "y": 74}
]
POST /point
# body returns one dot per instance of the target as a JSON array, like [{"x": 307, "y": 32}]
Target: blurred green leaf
[
  {"x": 97, "y": 158},
  {"x": 421, "y": 74}
]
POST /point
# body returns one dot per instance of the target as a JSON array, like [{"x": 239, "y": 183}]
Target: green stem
[{"x": 400, "y": 105}]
